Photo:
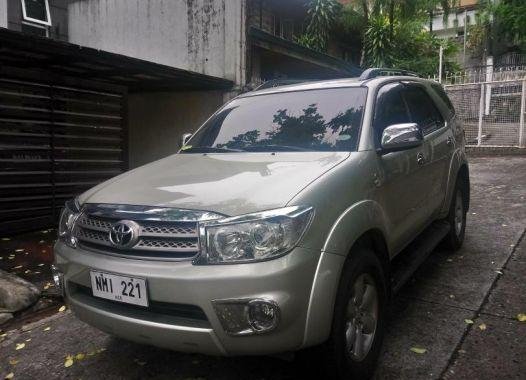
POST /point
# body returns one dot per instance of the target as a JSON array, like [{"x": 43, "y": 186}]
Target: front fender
[
  {"x": 458, "y": 159},
  {"x": 356, "y": 220}
]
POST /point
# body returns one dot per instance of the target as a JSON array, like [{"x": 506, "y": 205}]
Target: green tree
[
  {"x": 510, "y": 19},
  {"x": 321, "y": 16},
  {"x": 393, "y": 33},
  {"x": 378, "y": 41},
  {"x": 479, "y": 37}
]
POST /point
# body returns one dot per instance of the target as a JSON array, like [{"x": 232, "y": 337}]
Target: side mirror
[
  {"x": 184, "y": 138},
  {"x": 401, "y": 136}
]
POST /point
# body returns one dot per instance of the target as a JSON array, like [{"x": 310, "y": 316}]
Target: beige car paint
[{"x": 351, "y": 192}]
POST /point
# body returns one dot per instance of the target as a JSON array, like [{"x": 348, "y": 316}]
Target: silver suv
[{"x": 286, "y": 221}]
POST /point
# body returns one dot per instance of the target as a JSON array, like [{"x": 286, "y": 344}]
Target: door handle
[
  {"x": 376, "y": 180},
  {"x": 449, "y": 140},
  {"x": 420, "y": 159}
]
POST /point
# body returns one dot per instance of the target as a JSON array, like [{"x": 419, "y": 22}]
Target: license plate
[{"x": 119, "y": 288}]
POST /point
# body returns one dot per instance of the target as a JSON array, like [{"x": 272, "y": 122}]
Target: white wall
[
  {"x": 3, "y": 13},
  {"x": 453, "y": 18},
  {"x": 205, "y": 36}
]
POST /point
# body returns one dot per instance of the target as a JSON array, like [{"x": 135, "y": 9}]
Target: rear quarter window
[
  {"x": 439, "y": 90},
  {"x": 422, "y": 109}
]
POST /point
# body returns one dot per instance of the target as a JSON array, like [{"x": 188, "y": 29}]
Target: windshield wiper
[
  {"x": 210, "y": 149},
  {"x": 275, "y": 148}
]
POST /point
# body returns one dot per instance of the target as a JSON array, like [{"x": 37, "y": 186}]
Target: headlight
[
  {"x": 253, "y": 237},
  {"x": 69, "y": 215}
]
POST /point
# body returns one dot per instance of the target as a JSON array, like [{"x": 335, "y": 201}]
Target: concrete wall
[
  {"x": 58, "y": 12},
  {"x": 156, "y": 121},
  {"x": 3, "y": 13},
  {"x": 205, "y": 36}
]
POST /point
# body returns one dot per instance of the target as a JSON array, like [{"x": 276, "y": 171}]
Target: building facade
[
  {"x": 456, "y": 26},
  {"x": 91, "y": 88}
]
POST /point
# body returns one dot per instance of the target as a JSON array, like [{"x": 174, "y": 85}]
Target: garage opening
[{"x": 56, "y": 142}]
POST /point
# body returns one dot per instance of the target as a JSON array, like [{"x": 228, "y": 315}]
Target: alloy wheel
[
  {"x": 361, "y": 317},
  {"x": 459, "y": 213}
]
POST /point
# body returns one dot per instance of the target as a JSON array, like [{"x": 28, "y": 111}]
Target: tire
[
  {"x": 345, "y": 358},
  {"x": 456, "y": 219}
]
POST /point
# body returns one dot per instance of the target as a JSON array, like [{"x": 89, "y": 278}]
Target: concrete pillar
[
  {"x": 489, "y": 78},
  {"x": 3, "y": 13}
]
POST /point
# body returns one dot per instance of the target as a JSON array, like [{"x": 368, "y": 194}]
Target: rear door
[{"x": 437, "y": 141}]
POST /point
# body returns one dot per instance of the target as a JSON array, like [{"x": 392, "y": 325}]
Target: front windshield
[{"x": 314, "y": 120}]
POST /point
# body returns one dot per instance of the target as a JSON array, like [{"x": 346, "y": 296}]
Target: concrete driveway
[{"x": 483, "y": 283}]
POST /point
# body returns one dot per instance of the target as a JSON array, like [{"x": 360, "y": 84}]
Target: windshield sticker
[{"x": 186, "y": 147}]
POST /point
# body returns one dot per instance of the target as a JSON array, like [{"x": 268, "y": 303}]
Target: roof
[
  {"x": 32, "y": 52},
  {"x": 333, "y": 83}
]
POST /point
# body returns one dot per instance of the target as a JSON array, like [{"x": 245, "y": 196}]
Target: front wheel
[
  {"x": 359, "y": 318},
  {"x": 457, "y": 220}
]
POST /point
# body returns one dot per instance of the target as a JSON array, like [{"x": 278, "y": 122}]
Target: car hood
[{"x": 226, "y": 183}]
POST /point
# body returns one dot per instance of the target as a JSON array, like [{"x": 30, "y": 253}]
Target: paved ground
[{"x": 484, "y": 282}]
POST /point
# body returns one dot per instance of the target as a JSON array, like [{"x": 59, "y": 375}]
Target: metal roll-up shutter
[{"x": 56, "y": 141}]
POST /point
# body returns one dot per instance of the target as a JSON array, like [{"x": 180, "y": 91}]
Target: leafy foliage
[
  {"x": 393, "y": 34},
  {"x": 378, "y": 42},
  {"x": 307, "y": 41},
  {"x": 321, "y": 17},
  {"x": 511, "y": 15},
  {"x": 478, "y": 34},
  {"x": 417, "y": 50},
  {"x": 476, "y": 39},
  {"x": 503, "y": 21},
  {"x": 405, "y": 46},
  {"x": 510, "y": 18}
]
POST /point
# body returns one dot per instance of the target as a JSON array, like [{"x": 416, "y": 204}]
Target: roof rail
[
  {"x": 383, "y": 72},
  {"x": 279, "y": 82}
]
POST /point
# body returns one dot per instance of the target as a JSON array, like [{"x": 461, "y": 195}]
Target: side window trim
[
  {"x": 443, "y": 124},
  {"x": 441, "y": 93},
  {"x": 376, "y": 98},
  {"x": 399, "y": 86}
]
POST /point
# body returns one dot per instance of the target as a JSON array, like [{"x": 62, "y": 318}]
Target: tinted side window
[
  {"x": 390, "y": 109},
  {"x": 440, "y": 92},
  {"x": 422, "y": 109}
]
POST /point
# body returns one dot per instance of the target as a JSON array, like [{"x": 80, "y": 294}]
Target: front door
[
  {"x": 437, "y": 138},
  {"x": 401, "y": 182}
]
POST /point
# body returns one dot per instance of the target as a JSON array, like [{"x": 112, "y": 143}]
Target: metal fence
[
  {"x": 485, "y": 73},
  {"x": 493, "y": 112}
]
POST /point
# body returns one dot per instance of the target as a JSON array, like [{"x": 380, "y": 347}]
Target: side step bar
[{"x": 408, "y": 261}]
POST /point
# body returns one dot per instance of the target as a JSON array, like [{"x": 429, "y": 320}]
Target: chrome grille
[
  {"x": 99, "y": 224},
  {"x": 93, "y": 236},
  {"x": 166, "y": 229},
  {"x": 157, "y": 237},
  {"x": 169, "y": 244}
]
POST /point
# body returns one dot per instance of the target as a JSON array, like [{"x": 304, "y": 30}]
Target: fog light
[
  {"x": 58, "y": 278},
  {"x": 246, "y": 316},
  {"x": 263, "y": 315}
]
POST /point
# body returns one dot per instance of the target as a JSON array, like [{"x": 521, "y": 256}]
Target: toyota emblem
[{"x": 124, "y": 234}]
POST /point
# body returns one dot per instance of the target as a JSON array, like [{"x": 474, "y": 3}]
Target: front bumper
[{"x": 287, "y": 281}]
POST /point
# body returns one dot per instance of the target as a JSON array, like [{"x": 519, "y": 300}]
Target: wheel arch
[
  {"x": 463, "y": 181},
  {"x": 375, "y": 240},
  {"x": 327, "y": 282},
  {"x": 458, "y": 170}
]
